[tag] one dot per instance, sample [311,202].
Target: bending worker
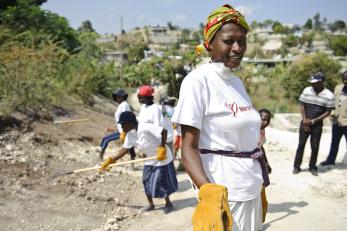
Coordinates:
[159,175]
[120,97]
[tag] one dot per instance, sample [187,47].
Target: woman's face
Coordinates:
[229,45]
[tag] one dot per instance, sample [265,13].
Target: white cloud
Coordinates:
[141,17]
[246,10]
[179,18]
[111,15]
[166,1]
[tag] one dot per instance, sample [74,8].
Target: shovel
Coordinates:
[97,167]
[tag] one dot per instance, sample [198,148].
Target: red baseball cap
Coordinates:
[145,90]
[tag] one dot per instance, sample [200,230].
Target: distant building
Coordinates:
[321,46]
[262,33]
[105,39]
[163,36]
[116,56]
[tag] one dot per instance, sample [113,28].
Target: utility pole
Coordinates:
[121,47]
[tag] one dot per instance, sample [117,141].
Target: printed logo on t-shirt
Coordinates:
[235,108]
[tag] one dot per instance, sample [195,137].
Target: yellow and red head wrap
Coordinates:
[216,20]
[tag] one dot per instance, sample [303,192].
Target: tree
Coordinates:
[307,38]
[185,35]
[7,3]
[196,37]
[170,26]
[254,24]
[295,78]
[339,45]
[317,24]
[291,40]
[278,28]
[45,25]
[86,27]
[337,25]
[136,52]
[268,23]
[309,24]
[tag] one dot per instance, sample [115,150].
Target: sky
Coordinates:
[105,15]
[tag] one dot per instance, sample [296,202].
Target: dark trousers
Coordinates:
[337,132]
[115,136]
[315,133]
[105,140]
[132,153]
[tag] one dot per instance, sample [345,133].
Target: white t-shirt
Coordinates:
[213,100]
[122,107]
[177,130]
[167,124]
[151,114]
[147,138]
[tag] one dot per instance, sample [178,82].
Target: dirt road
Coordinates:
[296,202]
[30,154]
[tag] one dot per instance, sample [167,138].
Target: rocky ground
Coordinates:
[35,196]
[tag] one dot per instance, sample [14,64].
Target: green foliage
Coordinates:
[86,27]
[28,77]
[337,25]
[339,45]
[264,87]
[185,35]
[136,52]
[278,28]
[291,40]
[307,38]
[196,37]
[296,76]
[136,75]
[317,24]
[308,24]
[84,74]
[8,3]
[45,25]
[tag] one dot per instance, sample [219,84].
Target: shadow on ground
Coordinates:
[184,185]
[285,207]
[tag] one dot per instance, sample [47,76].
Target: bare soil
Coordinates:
[31,153]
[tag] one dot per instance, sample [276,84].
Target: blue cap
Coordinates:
[127,117]
[317,77]
[120,92]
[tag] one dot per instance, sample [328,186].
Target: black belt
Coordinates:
[256,154]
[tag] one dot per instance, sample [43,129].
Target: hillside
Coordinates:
[34,196]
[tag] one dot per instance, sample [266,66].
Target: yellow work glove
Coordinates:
[161,153]
[212,211]
[105,166]
[122,137]
[264,204]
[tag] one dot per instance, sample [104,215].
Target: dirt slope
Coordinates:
[31,200]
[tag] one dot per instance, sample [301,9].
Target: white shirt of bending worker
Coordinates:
[214,101]
[151,114]
[147,138]
[167,124]
[122,107]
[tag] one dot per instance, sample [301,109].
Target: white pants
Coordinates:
[247,215]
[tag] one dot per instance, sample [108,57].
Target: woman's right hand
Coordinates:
[213,209]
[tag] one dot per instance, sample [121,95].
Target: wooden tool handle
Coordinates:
[116,164]
[70,121]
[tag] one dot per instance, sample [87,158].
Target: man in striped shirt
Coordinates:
[316,104]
